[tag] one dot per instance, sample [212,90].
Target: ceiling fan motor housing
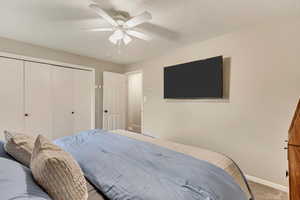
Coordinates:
[122,25]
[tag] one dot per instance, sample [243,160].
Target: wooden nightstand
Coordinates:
[294,156]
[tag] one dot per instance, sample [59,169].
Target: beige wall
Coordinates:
[264,88]
[20,48]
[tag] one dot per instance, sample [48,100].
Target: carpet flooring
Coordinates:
[262,192]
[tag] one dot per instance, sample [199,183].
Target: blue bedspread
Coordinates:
[128,169]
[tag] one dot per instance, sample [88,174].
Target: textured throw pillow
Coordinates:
[19,146]
[57,172]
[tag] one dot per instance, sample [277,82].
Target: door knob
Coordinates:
[106,111]
[26,114]
[73,112]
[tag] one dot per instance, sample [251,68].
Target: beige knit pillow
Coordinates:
[57,172]
[19,146]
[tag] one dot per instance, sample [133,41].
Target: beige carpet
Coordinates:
[262,192]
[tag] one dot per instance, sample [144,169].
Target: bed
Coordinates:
[216,159]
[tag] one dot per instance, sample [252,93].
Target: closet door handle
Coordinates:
[26,115]
[73,112]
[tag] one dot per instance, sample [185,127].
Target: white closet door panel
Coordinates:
[83,86]
[63,120]
[38,99]
[11,95]
[114,100]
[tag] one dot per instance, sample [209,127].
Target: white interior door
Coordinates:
[114,100]
[63,100]
[83,103]
[11,95]
[38,99]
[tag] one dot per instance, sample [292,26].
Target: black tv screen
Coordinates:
[194,80]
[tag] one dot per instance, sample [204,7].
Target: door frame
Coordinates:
[66,65]
[139,71]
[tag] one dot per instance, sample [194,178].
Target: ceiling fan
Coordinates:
[122,27]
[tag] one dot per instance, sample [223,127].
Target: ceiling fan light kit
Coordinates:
[123,29]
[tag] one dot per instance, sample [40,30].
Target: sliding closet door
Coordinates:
[82,100]
[11,95]
[38,99]
[63,109]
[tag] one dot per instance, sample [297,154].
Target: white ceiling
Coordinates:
[60,24]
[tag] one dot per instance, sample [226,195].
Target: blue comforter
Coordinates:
[127,169]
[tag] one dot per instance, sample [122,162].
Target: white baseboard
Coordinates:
[267,183]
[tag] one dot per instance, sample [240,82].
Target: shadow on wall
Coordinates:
[226,78]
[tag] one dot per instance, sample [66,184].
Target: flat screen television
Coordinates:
[194,80]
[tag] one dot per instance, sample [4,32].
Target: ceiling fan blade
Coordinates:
[138,35]
[103,14]
[101,29]
[126,39]
[140,19]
